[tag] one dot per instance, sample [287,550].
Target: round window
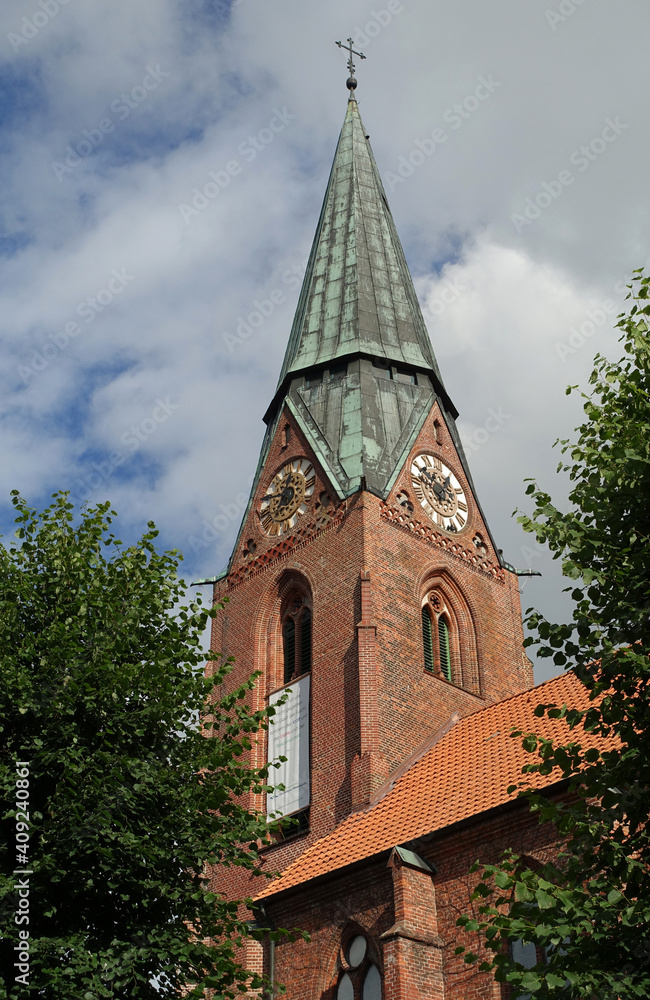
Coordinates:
[357,951]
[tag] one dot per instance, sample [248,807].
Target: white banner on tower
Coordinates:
[289,737]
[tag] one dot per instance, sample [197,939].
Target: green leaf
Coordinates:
[553,980]
[601,742]
[530,982]
[127,796]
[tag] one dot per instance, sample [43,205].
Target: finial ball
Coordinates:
[351,83]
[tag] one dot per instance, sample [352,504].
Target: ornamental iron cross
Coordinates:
[348,48]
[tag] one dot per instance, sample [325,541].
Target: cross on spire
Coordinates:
[351,82]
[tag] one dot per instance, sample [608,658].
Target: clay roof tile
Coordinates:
[466,772]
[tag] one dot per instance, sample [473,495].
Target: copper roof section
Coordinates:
[357,295]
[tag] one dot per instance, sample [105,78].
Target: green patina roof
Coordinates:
[357,295]
[359,374]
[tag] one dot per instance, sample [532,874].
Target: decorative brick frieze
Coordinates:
[300,538]
[401,518]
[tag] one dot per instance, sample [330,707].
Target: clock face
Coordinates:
[439,492]
[287,497]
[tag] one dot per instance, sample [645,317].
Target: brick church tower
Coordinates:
[364,577]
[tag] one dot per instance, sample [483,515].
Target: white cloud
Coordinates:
[163,334]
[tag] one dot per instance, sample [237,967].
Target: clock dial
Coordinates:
[287,497]
[439,492]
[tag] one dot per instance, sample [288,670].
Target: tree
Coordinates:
[114,799]
[588,913]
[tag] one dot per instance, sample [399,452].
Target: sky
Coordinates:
[163,166]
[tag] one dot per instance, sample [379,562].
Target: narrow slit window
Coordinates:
[445,652]
[427,638]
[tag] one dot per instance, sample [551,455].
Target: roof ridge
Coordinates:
[412,759]
[448,783]
[419,754]
[445,731]
[520,694]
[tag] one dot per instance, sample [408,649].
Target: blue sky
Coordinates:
[121,376]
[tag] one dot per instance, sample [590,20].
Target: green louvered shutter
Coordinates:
[427,639]
[445,654]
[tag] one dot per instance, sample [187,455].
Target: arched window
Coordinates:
[437,637]
[450,635]
[360,978]
[296,640]
[372,984]
[346,989]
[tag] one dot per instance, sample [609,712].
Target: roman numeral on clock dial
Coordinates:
[440,493]
[287,497]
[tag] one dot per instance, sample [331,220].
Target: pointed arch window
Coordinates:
[289,687]
[437,638]
[296,640]
[372,984]
[360,978]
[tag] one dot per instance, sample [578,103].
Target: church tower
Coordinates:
[364,577]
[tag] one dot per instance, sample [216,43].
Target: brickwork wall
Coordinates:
[454,854]
[323,557]
[366,566]
[332,913]
[408,917]
[408,557]
[412,946]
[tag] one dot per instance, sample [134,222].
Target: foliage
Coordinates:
[128,800]
[589,912]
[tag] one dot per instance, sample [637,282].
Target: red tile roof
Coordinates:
[466,772]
